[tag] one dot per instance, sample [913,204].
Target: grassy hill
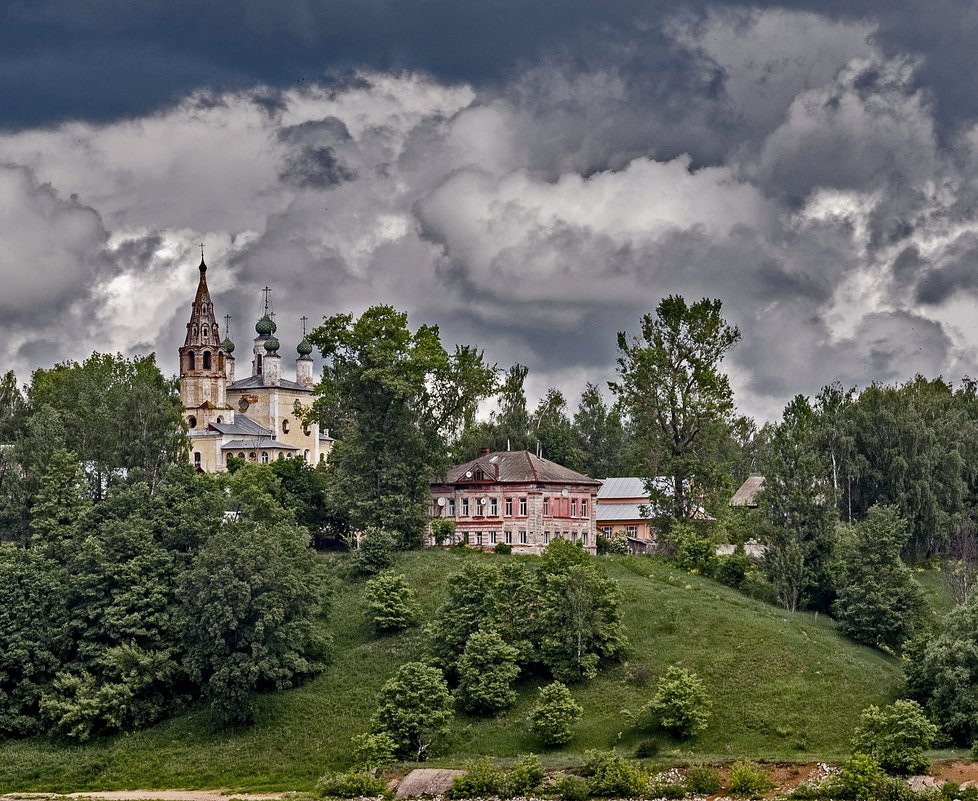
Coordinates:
[784,687]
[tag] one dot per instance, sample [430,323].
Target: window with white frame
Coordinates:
[492,537]
[522,537]
[451,507]
[546,537]
[585,538]
[584,507]
[631,531]
[522,507]
[546,506]
[509,537]
[478,538]
[509,507]
[465,507]
[493,507]
[573,507]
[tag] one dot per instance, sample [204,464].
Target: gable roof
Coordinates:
[746,494]
[243,427]
[515,467]
[257,382]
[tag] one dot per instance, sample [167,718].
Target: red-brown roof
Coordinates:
[515,467]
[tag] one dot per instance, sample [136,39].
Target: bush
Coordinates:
[757,585]
[375,552]
[486,673]
[554,714]
[503,548]
[525,777]
[481,779]
[611,545]
[896,736]
[703,780]
[352,785]
[371,751]
[731,570]
[681,703]
[671,791]
[610,775]
[414,709]
[693,550]
[391,603]
[748,780]
[570,787]
[443,530]
[858,780]
[646,749]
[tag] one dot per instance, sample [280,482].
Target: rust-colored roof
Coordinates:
[515,467]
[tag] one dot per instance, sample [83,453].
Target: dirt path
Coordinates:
[148,795]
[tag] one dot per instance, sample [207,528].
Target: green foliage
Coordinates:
[693,550]
[251,599]
[376,551]
[391,603]
[373,751]
[678,400]
[414,709]
[748,780]
[667,790]
[703,780]
[60,505]
[443,530]
[879,602]
[610,775]
[470,603]
[553,716]
[569,787]
[525,777]
[646,748]
[303,488]
[486,671]
[352,784]
[611,545]
[481,779]
[681,703]
[503,548]
[896,736]
[859,779]
[732,570]
[942,673]
[551,428]
[396,398]
[598,434]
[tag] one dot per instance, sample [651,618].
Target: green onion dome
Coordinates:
[265,326]
[228,345]
[272,345]
[304,348]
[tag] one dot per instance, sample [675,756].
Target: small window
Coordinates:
[546,506]
[479,475]
[207,360]
[493,507]
[190,360]
[478,538]
[451,507]
[285,426]
[509,537]
[546,537]
[203,332]
[252,456]
[492,537]
[264,457]
[192,422]
[584,507]
[241,455]
[258,362]
[220,419]
[585,538]
[509,507]
[631,531]
[465,507]
[606,530]
[305,456]
[522,507]
[573,507]
[197,458]
[522,537]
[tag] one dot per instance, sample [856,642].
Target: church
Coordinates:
[257,418]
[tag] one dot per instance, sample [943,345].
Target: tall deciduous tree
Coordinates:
[599,434]
[678,399]
[551,430]
[396,398]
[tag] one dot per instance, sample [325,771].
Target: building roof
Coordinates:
[746,495]
[262,443]
[515,467]
[258,382]
[618,511]
[622,487]
[242,426]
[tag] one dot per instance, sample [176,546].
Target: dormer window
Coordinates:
[479,475]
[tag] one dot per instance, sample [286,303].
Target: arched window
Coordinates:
[264,457]
[207,360]
[285,426]
[241,455]
[252,456]
[258,363]
[220,419]
[192,422]
[197,459]
[190,360]
[203,332]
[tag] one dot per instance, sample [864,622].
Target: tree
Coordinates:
[396,399]
[391,603]
[252,601]
[679,401]
[942,673]
[13,408]
[552,431]
[681,703]
[414,709]
[896,736]
[599,434]
[469,603]
[959,564]
[554,715]
[801,504]
[879,602]
[486,673]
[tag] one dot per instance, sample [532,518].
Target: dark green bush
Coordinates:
[681,703]
[554,715]
[896,736]
[503,548]
[481,779]
[610,775]
[569,787]
[647,748]
[731,570]
[703,780]
[671,791]
[352,785]
[525,777]
[376,550]
[748,780]
[859,780]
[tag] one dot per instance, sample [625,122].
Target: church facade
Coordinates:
[259,417]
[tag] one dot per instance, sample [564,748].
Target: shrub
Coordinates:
[671,791]
[443,530]
[757,585]
[525,777]
[553,715]
[372,751]
[570,787]
[503,548]
[896,736]
[647,748]
[703,780]
[391,603]
[693,550]
[352,785]
[481,779]
[680,703]
[486,673]
[414,709]
[859,779]
[375,552]
[748,780]
[732,570]
[610,775]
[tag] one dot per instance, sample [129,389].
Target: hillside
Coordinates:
[784,686]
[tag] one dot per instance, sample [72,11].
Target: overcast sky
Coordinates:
[532,175]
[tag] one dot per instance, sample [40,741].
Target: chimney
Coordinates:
[484,452]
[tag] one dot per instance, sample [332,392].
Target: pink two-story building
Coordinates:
[517,498]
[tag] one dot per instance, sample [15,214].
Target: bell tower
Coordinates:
[203,362]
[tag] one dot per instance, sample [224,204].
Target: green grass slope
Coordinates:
[784,686]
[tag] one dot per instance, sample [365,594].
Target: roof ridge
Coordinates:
[533,469]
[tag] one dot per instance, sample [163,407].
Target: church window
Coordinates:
[192,422]
[197,459]
[252,457]
[220,419]
[190,360]
[285,426]
[258,362]
[207,360]
[241,455]
[264,457]
[203,332]
[305,455]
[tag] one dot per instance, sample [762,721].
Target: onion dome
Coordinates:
[272,345]
[304,348]
[228,345]
[265,326]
